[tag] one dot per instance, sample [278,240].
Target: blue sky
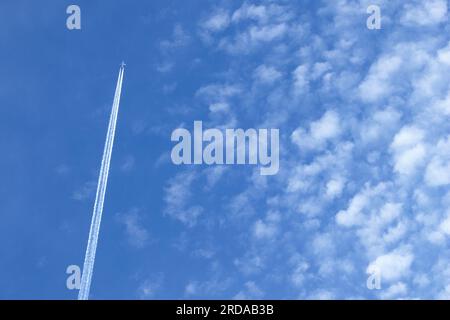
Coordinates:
[364,149]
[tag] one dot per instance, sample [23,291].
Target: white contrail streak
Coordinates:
[89,259]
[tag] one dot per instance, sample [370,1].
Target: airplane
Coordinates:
[122,65]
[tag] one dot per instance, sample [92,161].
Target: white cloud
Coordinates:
[180,38]
[442,106]
[395,291]
[86,191]
[380,126]
[266,229]
[320,132]
[426,13]
[319,69]
[218,92]
[261,13]
[354,213]
[322,295]
[213,175]
[445,293]
[437,173]
[389,212]
[219,107]
[407,161]
[253,37]
[217,22]
[267,33]
[407,137]
[438,170]
[357,212]
[395,233]
[251,291]
[150,287]
[408,149]
[370,173]
[445,226]
[267,74]
[137,235]
[211,287]
[334,188]
[394,265]
[326,128]
[177,195]
[444,55]
[301,81]
[250,12]
[323,244]
[262,230]
[377,84]
[165,67]
[299,273]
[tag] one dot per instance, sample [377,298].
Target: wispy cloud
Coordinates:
[137,235]
[85,192]
[362,181]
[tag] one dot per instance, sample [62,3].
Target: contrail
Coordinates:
[89,259]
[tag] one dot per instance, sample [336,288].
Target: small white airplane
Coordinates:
[122,65]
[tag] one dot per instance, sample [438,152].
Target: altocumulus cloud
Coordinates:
[363,179]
